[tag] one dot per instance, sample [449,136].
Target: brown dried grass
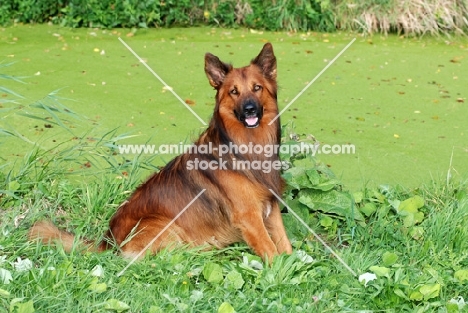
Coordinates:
[408,17]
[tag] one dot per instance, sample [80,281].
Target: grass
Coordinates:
[407,258]
[414,240]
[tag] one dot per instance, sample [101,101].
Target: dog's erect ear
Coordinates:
[266,60]
[216,70]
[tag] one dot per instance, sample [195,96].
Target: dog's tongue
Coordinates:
[251,121]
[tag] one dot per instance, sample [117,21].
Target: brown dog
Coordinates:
[237,203]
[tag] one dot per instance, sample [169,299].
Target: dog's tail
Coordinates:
[48,233]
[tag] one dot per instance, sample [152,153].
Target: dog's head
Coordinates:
[245,95]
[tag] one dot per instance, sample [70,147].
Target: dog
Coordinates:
[236,203]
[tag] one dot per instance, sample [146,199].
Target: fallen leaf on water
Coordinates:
[189,102]
[253,31]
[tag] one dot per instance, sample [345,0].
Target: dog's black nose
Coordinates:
[250,109]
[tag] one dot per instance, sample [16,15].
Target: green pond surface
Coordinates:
[402,102]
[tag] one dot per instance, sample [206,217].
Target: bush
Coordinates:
[410,17]
[296,15]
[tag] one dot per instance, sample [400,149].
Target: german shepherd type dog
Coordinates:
[236,205]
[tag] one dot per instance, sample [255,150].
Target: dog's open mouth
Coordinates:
[251,122]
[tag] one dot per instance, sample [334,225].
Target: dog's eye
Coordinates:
[234,92]
[257,87]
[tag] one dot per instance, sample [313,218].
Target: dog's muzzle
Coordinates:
[251,114]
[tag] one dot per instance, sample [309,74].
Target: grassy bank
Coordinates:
[413,241]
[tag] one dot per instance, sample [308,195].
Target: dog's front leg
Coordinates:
[253,230]
[275,227]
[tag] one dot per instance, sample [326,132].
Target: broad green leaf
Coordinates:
[307,201]
[314,176]
[418,217]
[234,279]
[417,232]
[412,219]
[226,307]
[380,270]
[327,185]
[389,258]
[368,209]
[213,273]
[358,196]
[297,178]
[14,185]
[430,291]
[322,181]
[380,197]
[326,221]
[394,203]
[410,205]
[461,275]
[416,296]
[17,306]
[116,305]
[452,308]
[333,202]
[98,288]
[409,220]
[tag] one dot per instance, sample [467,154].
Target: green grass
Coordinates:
[408,257]
[414,239]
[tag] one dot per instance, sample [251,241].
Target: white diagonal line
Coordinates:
[313,80]
[315,235]
[162,81]
[160,233]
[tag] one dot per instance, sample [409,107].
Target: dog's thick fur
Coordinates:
[237,204]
